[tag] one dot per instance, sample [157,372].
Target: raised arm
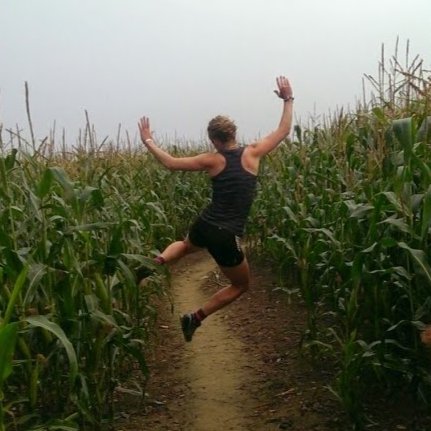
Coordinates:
[201,162]
[269,142]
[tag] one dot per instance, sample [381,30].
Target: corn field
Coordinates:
[73,320]
[346,209]
[343,211]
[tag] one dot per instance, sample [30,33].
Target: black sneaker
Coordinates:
[143,272]
[189,324]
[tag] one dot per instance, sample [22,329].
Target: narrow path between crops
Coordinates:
[214,361]
[242,371]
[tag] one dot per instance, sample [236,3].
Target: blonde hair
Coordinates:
[222,129]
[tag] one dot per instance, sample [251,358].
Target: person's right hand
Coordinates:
[284,91]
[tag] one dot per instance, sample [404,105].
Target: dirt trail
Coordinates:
[230,376]
[244,370]
[215,360]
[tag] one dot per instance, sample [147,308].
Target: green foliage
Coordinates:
[73,321]
[345,211]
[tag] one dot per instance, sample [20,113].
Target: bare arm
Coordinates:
[271,141]
[201,162]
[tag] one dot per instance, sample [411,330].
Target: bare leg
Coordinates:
[173,252]
[239,276]
[177,250]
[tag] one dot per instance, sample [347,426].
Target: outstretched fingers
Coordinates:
[282,82]
[279,82]
[144,128]
[144,123]
[284,89]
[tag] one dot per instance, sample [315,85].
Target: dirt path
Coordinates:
[243,371]
[232,375]
[214,360]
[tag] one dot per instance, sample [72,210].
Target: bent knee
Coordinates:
[189,247]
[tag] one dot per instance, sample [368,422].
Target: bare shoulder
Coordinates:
[215,163]
[251,158]
[252,150]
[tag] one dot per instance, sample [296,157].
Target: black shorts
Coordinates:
[224,246]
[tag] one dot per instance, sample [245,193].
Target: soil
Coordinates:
[244,369]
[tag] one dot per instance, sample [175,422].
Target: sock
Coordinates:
[160,260]
[199,315]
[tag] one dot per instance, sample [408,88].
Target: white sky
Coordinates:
[181,62]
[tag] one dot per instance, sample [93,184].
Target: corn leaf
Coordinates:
[8,335]
[419,258]
[42,322]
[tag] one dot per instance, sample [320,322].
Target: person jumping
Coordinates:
[233,171]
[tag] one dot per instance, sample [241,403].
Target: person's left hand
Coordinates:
[144,129]
[284,91]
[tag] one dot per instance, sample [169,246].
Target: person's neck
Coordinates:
[230,145]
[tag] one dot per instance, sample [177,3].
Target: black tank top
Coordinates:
[233,191]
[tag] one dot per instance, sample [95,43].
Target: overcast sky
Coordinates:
[181,62]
